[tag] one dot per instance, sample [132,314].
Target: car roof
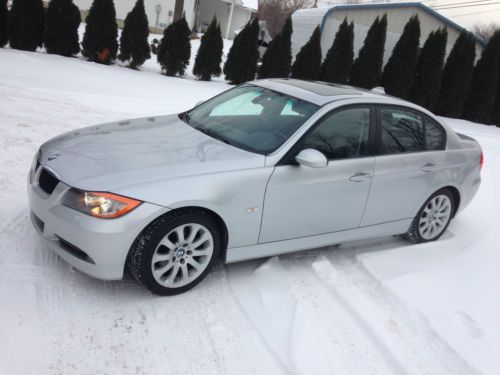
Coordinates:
[321,93]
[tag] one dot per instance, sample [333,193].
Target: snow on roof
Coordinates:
[252,4]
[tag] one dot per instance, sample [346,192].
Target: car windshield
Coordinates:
[250,117]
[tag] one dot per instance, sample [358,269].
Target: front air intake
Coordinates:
[47,181]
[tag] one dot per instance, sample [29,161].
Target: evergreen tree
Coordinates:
[4,12]
[399,71]
[101,31]
[307,63]
[209,57]
[457,76]
[278,56]
[175,48]
[427,81]
[134,45]
[25,24]
[481,100]
[339,58]
[367,68]
[61,28]
[496,110]
[241,64]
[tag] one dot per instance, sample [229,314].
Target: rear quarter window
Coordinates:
[434,136]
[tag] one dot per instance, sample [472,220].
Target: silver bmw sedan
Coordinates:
[266,168]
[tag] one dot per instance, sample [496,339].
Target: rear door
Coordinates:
[409,157]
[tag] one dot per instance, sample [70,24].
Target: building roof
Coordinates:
[324,12]
[252,4]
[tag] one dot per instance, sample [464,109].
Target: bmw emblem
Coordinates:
[53,157]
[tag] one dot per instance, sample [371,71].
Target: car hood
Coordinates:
[125,153]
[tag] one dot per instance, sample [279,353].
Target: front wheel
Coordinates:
[433,218]
[175,252]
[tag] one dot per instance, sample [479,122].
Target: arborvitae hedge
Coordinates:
[457,76]
[277,59]
[100,39]
[61,28]
[427,81]
[175,48]
[4,36]
[481,100]
[209,57]
[367,68]
[307,63]
[399,71]
[134,45]
[339,58]
[241,64]
[25,24]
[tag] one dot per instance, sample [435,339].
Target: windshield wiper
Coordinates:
[212,134]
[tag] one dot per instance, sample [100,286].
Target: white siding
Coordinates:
[305,21]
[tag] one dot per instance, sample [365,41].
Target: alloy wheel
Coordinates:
[182,255]
[435,217]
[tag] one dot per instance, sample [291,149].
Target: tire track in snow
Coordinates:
[346,337]
[407,332]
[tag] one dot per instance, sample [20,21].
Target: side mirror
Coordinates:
[311,158]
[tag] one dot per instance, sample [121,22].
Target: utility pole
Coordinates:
[178,10]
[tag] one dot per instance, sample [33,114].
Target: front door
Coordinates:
[302,201]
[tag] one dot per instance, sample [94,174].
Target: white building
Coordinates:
[329,19]
[231,14]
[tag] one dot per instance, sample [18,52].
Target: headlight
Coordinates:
[102,205]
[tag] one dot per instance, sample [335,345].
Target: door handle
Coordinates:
[429,167]
[360,177]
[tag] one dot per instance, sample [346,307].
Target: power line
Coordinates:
[467,6]
[461,3]
[471,14]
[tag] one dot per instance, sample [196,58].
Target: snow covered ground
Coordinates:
[372,307]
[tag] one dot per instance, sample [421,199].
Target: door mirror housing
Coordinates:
[311,158]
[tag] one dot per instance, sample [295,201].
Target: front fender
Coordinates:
[236,196]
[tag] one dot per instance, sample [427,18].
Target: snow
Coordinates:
[373,307]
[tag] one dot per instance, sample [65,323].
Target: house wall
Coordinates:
[241,16]
[304,24]
[210,8]
[124,6]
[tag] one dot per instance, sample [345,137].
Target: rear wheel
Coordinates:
[175,252]
[433,218]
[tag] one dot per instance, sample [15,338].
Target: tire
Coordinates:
[433,213]
[186,242]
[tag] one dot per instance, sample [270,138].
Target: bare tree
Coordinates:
[485,31]
[275,12]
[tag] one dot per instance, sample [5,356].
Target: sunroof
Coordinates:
[320,88]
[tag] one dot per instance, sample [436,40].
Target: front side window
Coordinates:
[402,131]
[250,117]
[341,135]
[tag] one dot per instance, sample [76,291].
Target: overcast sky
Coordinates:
[477,11]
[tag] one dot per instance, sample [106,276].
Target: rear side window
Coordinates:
[434,136]
[402,131]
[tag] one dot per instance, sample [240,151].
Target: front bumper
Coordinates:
[97,247]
